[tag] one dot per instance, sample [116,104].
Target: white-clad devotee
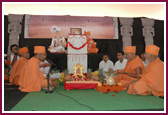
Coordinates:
[15,54]
[58,42]
[144,60]
[13,57]
[45,67]
[105,65]
[120,64]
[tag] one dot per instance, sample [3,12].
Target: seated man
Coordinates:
[19,64]
[152,80]
[105,65]
[58,43]
[13,57]
[91,46]
[120,64]
[15,54]
[31,78]
[45,67]
[132,70]
[144,60]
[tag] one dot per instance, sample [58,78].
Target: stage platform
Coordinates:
[61,60]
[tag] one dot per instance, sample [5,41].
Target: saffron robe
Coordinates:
[130,67]
[151,82]
[91,46]
[31,78]
[17,67]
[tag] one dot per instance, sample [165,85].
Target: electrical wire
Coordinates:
[74,100]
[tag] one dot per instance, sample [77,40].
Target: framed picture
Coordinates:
[75,30]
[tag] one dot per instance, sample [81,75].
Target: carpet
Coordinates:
[86,100]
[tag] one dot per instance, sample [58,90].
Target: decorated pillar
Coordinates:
[148,30]
[14,29]
[77,52]
[126,31]
[27,24]
[115,25]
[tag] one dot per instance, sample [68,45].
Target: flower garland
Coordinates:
[88,47]
[76,47]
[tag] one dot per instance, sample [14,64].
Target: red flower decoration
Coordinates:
[85,74]
[76,47]
[113,95]
[71,74]
[108,90]
[115,91]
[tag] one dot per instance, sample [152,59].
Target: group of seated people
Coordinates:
[139,76]
[26,72]
[132,74]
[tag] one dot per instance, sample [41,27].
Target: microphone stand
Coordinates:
[51,62]
[48,76]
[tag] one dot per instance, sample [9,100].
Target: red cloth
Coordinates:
[80,85]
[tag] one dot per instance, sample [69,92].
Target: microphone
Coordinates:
[51,62]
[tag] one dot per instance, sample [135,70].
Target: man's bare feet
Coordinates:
[50,88]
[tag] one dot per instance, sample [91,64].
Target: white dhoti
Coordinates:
[57,49]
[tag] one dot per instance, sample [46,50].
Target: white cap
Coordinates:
[54,29]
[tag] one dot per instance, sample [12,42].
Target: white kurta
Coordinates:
[119,65]
[57,44]
[105,66]
[12,56]
[44,70]
[145,63]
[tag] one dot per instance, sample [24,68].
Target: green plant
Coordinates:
[54,71]
[109,73]
[66,71]
[100,72]
[89,70]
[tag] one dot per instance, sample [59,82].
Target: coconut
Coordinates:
[89,75]
[67,77]
[95,78]
[110,70]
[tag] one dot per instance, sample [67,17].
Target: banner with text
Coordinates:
[39,26]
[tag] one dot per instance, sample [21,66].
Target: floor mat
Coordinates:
[86,100]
